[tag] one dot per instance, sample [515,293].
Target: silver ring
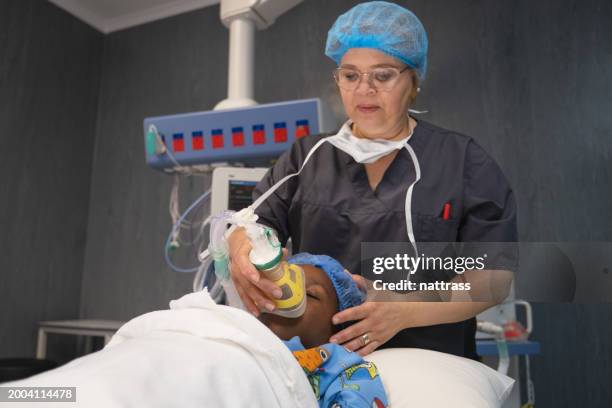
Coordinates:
[365,338]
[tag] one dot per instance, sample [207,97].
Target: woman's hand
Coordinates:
[376,323]
[379,320]
[254,289]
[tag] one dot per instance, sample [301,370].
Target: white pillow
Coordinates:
[425,378]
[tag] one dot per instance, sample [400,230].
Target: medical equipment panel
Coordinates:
[252,135]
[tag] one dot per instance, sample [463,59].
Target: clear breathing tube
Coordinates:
[500,340]
[216,256]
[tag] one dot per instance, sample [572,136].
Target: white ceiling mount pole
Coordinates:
[241,69]
[242,17]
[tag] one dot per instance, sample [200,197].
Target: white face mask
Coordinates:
[364,150]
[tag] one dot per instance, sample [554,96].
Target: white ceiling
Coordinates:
[112,15]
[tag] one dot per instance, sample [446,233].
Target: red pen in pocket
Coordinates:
[446,213]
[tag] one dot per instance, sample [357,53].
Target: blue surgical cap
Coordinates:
[383,26]
[348,293]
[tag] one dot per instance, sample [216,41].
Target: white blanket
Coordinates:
[197,354]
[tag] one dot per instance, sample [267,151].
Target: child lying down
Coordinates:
[339,377]
[200,354]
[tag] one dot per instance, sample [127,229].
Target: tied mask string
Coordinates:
[418,112]
[272,189]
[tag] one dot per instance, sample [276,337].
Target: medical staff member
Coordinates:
[384,177]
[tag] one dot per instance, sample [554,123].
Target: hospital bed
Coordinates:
[198,353]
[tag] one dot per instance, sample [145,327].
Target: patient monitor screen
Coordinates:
[239,195]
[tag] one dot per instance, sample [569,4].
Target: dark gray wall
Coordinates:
[49,77]
[171,66]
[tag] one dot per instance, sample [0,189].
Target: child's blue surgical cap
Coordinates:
[383,26]
[348,293]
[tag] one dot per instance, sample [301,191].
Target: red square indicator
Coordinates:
[238,136]
[259,137]
[301,128]
[197,141]
[302,131]
[178,144]
[280,135]
[259,134]
[217,141]
[198,144]
[238,139]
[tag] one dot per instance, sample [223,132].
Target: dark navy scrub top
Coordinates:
[330,209]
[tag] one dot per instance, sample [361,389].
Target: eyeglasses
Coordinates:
[381,79]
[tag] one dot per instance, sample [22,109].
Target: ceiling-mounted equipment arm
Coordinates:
[242,17]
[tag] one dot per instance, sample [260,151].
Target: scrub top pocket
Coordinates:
[436,229]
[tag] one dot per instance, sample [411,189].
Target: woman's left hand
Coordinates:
[375,323]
